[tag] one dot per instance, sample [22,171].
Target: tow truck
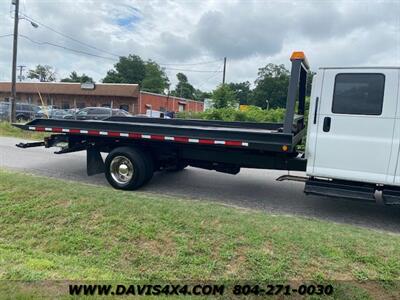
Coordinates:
[352,138]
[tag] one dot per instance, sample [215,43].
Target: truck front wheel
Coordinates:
[126,168]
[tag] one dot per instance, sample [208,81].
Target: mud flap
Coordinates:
[94,162]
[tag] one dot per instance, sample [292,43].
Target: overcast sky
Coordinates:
[184,33]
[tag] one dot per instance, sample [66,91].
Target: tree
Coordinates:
[201,95]
[271,85]
[74,77]
[242,91]
[129,69]
[44,73]
[155,80]
[223,96]
[183,88]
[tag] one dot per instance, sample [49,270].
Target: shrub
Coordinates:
[251,114]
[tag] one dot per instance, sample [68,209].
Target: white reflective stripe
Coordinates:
[219,142]
[83,131]
[146,136]
[245,144]
[103,132]
[65,130]
[169,138]
[32,128]
[193,140]
[48,129]
[124,134]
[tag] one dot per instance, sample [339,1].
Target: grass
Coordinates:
[6,129]
[52,229]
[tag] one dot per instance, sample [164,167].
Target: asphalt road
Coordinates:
[255,189]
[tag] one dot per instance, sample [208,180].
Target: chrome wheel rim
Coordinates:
[121,169]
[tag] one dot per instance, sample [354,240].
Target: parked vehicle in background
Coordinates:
[48,107]
[61,114]
[23,111]
[157,114]
[26,111]
[73,111]
[98,113]
[54,114]
[121,113]
[4,111]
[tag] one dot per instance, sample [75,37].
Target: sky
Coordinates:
[195,36]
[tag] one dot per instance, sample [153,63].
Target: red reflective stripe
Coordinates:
[205,141]
[93,132]
[135,135]
[113,133]
[157,137]
[233,143]
[153,136]
[181,139]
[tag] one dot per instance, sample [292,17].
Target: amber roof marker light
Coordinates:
[299,55]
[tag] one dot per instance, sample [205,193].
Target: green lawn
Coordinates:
[53,229]
[6,129]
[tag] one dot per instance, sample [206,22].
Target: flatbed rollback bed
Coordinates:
[139,146]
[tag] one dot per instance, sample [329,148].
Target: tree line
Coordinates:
[269,91]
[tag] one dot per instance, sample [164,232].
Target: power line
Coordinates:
[191,64]
[41,43]
[111,53]
[66,48]
[191,70]
[208,79]
[70,37]
[104,51]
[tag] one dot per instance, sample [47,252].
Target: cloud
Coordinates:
[249,33]
[225,35]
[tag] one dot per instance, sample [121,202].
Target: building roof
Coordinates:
[171,97]
[68,88]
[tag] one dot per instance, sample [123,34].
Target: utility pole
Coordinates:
[14,62]
[21,68]
[223,73]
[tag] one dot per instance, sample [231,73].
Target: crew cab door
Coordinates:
[354,124]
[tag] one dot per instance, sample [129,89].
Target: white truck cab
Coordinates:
[353,127]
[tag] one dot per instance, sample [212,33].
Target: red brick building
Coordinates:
[167,103]
[124,96]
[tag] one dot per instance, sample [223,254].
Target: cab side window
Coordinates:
[358,93]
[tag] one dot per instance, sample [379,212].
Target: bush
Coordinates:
[251,114]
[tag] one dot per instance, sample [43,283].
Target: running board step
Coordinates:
[341,189]
[292,178]
[391,195]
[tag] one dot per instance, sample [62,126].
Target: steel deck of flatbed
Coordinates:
[258,136]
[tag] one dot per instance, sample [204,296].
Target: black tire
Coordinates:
[21,119]
[126,168]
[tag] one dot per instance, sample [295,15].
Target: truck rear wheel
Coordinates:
[127,168]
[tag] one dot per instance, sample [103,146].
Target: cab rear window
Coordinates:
[358,93]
